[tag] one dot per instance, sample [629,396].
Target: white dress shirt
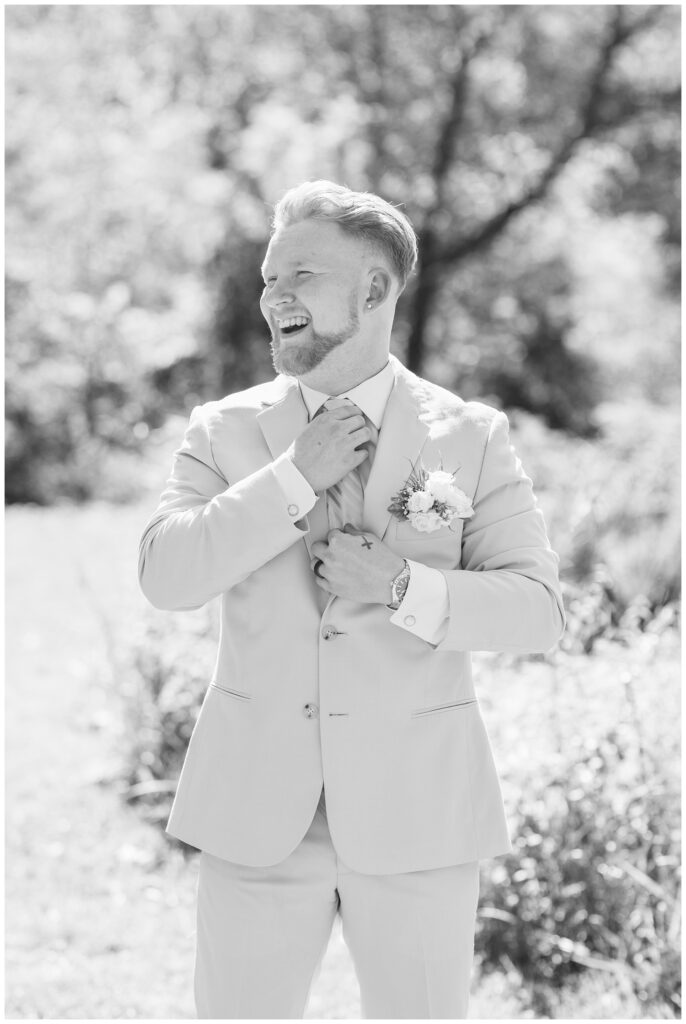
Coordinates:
[425,608]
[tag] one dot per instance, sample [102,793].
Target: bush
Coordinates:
[612,506]
[171,668]
[595,611]
[594,881]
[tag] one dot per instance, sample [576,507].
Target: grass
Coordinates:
[100,909]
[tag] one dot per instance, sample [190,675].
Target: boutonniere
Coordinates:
[429,500]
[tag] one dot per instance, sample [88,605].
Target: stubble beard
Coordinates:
[296,360]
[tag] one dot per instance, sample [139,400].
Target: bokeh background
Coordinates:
[536,150]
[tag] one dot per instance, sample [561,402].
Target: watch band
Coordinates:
[399,586]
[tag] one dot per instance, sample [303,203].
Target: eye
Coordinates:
[301,272]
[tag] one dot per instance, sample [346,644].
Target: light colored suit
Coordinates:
[300,696]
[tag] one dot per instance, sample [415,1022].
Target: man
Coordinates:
[340,762]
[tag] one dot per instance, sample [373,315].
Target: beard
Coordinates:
[295,360]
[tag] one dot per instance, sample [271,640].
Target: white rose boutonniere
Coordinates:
[420,501]
[429,500]
[426,522]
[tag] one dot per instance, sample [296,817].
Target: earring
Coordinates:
[369,305]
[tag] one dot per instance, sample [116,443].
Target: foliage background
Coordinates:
[536,149]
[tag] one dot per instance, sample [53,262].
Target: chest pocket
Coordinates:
[441,549]
[406,533]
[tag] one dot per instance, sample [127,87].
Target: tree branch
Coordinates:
[449,134]
[588,121]
[447,140]
[446,145]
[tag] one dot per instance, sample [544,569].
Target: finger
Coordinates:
[323,583]
[319,549]
[356,423]
[361,433]
[353,530]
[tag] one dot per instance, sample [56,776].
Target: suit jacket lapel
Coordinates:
[402,436]
[284,416]
[280,422]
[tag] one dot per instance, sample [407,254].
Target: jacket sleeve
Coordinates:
[206,534]
[506,595]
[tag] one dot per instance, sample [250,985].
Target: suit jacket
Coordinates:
[300,695]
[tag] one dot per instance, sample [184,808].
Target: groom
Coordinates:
[340,763]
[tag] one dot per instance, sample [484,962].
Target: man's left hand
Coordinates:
[356,565]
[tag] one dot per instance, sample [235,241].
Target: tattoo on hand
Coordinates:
[366,543]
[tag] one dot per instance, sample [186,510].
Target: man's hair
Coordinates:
[362,214]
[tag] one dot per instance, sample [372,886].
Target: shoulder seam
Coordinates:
[204,411]
[494,419]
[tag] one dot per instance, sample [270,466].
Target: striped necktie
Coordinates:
[345,500]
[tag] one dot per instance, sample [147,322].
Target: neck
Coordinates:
[337,382]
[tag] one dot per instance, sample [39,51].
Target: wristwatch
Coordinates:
[399,586]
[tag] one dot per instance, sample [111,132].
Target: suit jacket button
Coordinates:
[311,711]
[293,510]
[329,633]
[409,620]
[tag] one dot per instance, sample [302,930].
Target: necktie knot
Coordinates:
[338,403]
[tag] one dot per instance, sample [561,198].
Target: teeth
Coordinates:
[293,321]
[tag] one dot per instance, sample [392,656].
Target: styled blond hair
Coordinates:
[362,214]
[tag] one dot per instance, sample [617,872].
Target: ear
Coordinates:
[379,288]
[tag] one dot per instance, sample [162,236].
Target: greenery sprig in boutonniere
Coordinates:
[429,500]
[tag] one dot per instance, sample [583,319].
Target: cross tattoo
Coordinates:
[366,543]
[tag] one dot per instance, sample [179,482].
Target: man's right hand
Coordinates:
[327,448]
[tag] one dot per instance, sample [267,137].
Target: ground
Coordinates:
[100,909]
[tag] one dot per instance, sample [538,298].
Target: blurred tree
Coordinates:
[469,117]
[484,109]
[535,149]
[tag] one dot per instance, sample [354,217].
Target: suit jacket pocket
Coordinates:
[438,708]
[236,694]
[405,531]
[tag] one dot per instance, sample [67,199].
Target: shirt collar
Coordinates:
[371,396]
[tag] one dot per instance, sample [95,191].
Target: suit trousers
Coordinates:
[262,933]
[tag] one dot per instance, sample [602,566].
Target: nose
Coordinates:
[278,294]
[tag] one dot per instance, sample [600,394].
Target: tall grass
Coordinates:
[593,883]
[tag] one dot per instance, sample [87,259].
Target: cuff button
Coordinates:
[293,510]
[409,620]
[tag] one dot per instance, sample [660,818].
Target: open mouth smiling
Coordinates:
[292,325]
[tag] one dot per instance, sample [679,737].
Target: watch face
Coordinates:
[400,585]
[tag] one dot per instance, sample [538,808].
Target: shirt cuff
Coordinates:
[298,494]
[425,608]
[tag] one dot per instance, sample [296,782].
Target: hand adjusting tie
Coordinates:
[315,568]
